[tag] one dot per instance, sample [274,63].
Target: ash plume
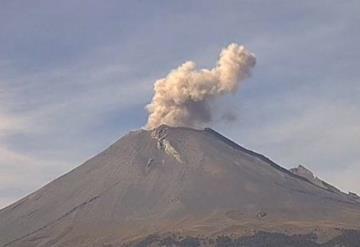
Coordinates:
[182,97]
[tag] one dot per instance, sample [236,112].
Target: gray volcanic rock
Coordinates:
[306,173]
[180,180]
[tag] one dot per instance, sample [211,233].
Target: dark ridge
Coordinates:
[348,238]
[259,156]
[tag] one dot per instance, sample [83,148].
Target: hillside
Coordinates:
[186,182]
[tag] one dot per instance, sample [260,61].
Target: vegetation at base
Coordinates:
[349,238]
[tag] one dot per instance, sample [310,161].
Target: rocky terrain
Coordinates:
[182,187]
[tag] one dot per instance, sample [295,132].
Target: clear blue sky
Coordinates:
[76,75]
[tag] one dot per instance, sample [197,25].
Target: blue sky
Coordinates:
[76,75]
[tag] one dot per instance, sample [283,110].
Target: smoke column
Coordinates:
[182,97]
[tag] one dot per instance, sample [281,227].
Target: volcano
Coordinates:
[176,186]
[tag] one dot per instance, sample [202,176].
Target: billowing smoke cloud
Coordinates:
[182,97]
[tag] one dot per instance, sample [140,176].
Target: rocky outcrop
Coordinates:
[306,173]
[164,144]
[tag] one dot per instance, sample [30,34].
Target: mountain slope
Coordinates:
[172,180]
